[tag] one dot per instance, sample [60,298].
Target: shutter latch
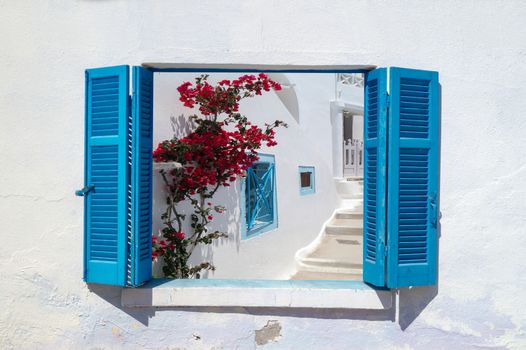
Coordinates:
[84,191]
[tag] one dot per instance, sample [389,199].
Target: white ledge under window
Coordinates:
[257,293]
[166,165]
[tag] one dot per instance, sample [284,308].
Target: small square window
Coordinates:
[307,185]
[305,179]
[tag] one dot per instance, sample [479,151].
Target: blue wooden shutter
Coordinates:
[413,178]
[141,183]
[374,210]
[260,196]
[106,175]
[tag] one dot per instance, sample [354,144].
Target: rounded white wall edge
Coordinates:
[339,105]
[355,295]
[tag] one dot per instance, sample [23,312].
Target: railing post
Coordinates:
[359,171]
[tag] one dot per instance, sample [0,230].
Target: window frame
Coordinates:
[253,68]
[304,191]
[257,231]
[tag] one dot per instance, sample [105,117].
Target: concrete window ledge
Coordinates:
[257,293]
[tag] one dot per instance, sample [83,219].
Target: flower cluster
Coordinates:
[225,96]
[211,156]
[169,243]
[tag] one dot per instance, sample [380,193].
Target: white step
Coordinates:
[354,204]
[341,248]
[335,254]
[353,178]
[352,189]
[338,253]
[329,265]
[313,261]
[349,214]
[344,227]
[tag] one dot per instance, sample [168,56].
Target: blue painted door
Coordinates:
[106,175]
[375,177]
[413,184]
[141,171]
[260,196]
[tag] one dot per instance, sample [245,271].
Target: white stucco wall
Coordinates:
[479,48]
[307,141]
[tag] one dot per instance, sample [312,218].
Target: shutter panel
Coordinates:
[106,169]
[141,183]
[260,196]
[413,178]
[261,204]
[374,210]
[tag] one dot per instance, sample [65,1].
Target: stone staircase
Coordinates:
[336,254]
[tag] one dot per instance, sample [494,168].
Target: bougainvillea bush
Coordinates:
[222,146]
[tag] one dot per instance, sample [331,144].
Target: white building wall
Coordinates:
[479,50]
[306,142]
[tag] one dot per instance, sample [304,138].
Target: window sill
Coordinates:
[166,166]
[257,293]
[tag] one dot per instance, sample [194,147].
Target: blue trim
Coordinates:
[235,283]
[248,227]
[312,188]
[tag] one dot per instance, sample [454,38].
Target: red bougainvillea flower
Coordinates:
[180,235]
[221,148]
[225,97]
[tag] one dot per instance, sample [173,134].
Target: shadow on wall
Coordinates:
[287,95]
[412,301]
[181,125]
[228,222]
[112,295]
